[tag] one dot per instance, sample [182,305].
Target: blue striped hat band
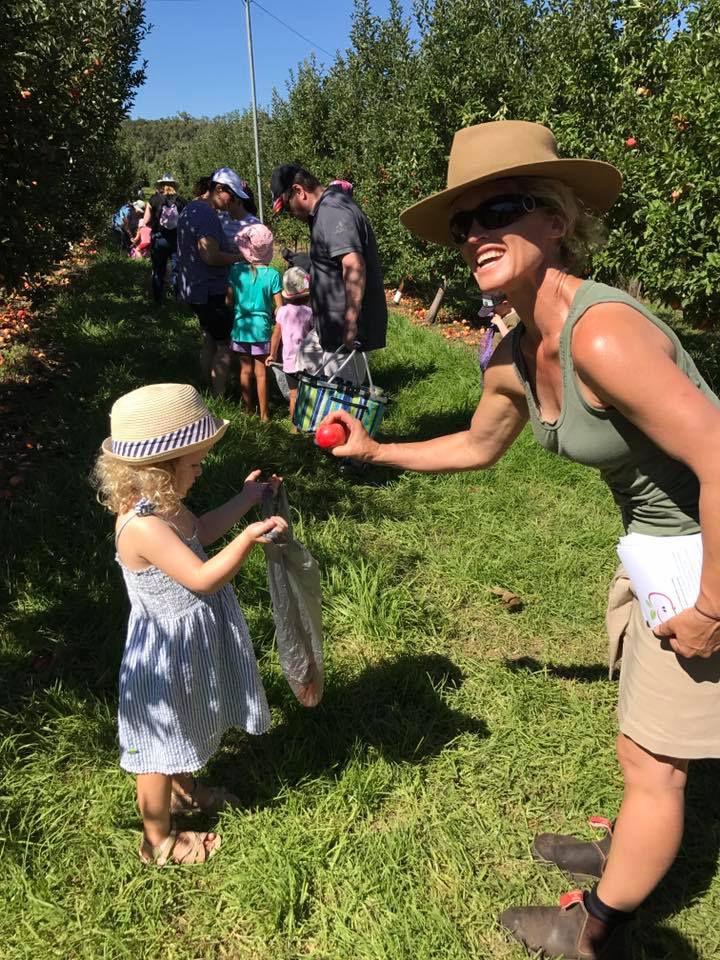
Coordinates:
[202,429]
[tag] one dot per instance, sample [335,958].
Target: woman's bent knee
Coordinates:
[641,767]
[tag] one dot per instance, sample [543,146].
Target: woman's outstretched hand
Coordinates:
[359,444]
[254,489]
[691,634]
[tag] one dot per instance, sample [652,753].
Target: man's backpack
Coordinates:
[169,213]
[119,216]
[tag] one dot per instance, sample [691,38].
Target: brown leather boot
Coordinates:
[567,931]
[582,859]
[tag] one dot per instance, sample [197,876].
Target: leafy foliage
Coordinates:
[67,78]
[633,82]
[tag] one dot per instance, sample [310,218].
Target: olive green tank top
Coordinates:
[656,494]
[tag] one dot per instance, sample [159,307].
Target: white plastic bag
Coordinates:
[296,594]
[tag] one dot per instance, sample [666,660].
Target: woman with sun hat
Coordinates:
[605,383]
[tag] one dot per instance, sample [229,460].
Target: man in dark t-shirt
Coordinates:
[346,289]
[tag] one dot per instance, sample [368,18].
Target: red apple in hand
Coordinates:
[331,435]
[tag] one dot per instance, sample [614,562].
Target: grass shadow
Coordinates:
[435,425]
[581,672]
[396,708]
[662,943]
[695,868]
[396,377]
[693,872]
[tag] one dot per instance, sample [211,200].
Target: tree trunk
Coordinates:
[431,315]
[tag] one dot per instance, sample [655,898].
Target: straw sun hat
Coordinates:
[295,283]
[505,149]
[160,422]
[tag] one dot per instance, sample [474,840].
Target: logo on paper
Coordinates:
[661,607]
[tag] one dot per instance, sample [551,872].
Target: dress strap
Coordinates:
[176,529]
[146,508]
[125,522]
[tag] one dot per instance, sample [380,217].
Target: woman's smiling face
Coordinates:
[501,256]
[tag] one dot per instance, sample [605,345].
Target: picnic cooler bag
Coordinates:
[319,395]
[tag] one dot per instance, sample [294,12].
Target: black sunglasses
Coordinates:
[499,211]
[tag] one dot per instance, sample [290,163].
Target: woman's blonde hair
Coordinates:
[121,485]
[584,233]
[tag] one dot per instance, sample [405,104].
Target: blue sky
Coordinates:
[197,51]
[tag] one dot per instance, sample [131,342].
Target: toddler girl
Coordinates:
[142,241]
[188,671]
[294,321]
[254,293]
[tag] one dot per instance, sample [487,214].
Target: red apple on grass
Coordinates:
[331,435]
[631,143]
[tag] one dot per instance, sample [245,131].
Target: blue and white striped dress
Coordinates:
[188,673]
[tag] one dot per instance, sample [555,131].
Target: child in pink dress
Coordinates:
[141,242]
[293,322]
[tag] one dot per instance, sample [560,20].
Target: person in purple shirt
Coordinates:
[203,268]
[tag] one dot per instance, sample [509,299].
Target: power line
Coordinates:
[291,29]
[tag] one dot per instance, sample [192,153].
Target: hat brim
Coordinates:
[596,183]
[165,455]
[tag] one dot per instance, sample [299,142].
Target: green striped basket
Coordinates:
[318,396]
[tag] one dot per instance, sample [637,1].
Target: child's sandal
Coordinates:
[167,851]
[218,798]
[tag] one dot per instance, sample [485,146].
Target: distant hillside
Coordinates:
[159,146]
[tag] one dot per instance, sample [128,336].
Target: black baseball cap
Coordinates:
[281,179]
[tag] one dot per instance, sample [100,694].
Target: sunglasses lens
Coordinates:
[460,225]
[491,214]
[501,211]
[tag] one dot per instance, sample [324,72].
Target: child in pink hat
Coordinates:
[254,293]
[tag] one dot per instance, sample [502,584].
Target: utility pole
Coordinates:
[251,62]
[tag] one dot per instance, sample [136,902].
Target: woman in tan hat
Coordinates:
[188,671]
[605,383]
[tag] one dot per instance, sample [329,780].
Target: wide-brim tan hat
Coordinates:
[505,149]
[159,422]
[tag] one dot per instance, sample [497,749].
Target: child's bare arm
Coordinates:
[216,523]
[277,300]
[274,343]
[151,540]
[501,325]
[229,297]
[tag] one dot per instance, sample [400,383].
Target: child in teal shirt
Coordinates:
[254,293]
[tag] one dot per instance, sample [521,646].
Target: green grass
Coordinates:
[393,822]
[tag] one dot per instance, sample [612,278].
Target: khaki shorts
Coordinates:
[667,704]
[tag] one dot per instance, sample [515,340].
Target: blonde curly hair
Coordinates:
[120,484]
[584,233]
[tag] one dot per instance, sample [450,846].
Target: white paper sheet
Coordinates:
[665,572]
